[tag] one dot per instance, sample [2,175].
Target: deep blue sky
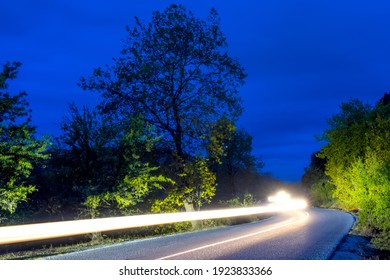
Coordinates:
[303,58]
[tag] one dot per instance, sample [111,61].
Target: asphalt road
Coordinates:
[310,234]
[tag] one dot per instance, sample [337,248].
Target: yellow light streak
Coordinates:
[23,233]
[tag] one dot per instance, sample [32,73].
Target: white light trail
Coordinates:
[23,233]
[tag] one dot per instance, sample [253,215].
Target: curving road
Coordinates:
[310,234]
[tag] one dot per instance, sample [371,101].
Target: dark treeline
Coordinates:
[162,139]
[352,171]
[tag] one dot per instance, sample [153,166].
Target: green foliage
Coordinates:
[93,203]
[133,190]
[170,99]
[138,179]
[358,162]
[322,192]
[221,134]
[200,189]
[19,150]
[202,183]
[176,72]
[86,155]
[85,160]
[173,228]
[235,159]
[370,191]
[317,184]
[354,133]
[247,200]
[347,140]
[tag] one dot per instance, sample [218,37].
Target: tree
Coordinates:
[19,150]
[231,152]
[317,184]
[347,140]
[238,157]
[83,162]
[358,163]
[369,175]
[177,73]
[105,161]
[370,192]
[88,146]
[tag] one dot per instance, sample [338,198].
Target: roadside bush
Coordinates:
[370,193]
[246,200]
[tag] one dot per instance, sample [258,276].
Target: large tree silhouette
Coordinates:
[176,72]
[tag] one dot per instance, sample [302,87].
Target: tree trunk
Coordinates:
[180,158]
[232,174]
[189,206]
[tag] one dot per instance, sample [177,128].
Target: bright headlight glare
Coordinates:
[280,197]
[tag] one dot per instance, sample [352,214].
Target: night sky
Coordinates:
[303,58]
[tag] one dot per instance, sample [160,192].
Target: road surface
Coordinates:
[310,234]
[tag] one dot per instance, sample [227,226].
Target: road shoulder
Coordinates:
[357,247]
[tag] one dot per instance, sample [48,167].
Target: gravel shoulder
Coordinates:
[357,247]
